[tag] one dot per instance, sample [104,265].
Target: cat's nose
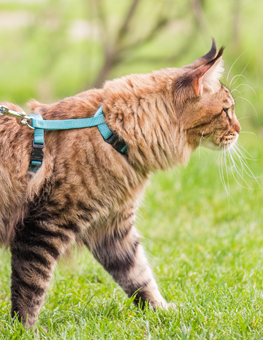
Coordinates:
[237,127]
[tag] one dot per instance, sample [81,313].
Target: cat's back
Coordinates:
[85,171]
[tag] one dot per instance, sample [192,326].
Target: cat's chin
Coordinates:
[208,143]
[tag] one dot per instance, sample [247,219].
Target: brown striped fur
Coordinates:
[86,191]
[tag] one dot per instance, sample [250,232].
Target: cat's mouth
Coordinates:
[228,141]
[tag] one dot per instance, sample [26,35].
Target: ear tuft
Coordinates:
[211,54]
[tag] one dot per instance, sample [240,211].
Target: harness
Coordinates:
[39,125]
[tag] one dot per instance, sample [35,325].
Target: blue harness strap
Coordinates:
[38,145]
[68,123]
[40,125]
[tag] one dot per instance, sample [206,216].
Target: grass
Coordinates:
[207,253]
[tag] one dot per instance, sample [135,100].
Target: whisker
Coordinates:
[252,133]
[221,173]
[237,91]
[242,186]
[234,64]
[243,156]
[222,159]
[237,76]
[249,103]
[238,172]
[228,186]
[246,166]
[240,146]
[239,158]
[234,151]
[241,74]
[250,87]
[243,117]
[220,168]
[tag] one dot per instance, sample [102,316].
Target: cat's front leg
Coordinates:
[117,247]
[35,249]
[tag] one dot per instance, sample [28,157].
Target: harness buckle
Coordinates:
[117,143]
[37,153]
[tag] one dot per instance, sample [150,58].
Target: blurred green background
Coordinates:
[51,49]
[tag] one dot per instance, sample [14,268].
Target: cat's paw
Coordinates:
[166,306]
[43,330]
[171,305]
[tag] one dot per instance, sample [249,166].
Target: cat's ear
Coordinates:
[215,72]
[203,71]
[206,74]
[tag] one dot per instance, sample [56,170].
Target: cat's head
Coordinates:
[206,107]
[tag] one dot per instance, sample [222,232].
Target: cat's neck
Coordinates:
[139,108]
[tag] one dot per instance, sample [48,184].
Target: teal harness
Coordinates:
[40,125]
[36,122]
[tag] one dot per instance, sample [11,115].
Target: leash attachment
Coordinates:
[25,119]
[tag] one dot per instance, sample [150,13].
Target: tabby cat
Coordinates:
[86,191]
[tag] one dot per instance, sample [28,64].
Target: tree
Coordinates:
[123,47]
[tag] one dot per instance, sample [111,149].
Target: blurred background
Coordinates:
[51,49]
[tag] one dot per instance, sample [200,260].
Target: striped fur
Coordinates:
[86,192]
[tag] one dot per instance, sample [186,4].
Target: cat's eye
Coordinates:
[227,116]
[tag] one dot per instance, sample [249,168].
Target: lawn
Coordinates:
[206,248]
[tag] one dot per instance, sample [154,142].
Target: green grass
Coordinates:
[207,253]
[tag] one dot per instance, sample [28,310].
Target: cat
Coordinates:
[86,191]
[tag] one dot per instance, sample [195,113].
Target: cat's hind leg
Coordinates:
[35,249]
